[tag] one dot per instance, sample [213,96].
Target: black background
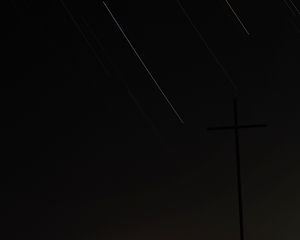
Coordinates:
[91,156]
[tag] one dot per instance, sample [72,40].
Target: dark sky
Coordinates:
[97,153]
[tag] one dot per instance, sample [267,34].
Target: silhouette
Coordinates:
[236,127]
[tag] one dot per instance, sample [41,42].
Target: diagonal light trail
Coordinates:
[131,95]
[107,72]
[235,14]
[85,38]
[291,20]
[142,62]
[289,7]
[295,6]
[207,46]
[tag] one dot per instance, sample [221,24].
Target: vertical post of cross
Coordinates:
[236,128]
[238,168]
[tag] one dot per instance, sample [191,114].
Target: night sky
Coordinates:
[92,150]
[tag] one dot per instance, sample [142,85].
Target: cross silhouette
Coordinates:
[236,127]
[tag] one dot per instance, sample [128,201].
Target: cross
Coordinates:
[236,127]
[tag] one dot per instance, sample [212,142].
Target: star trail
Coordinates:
[295,7]
[105,112]
[208,47]
[289,7]
[144,65]
[237,17]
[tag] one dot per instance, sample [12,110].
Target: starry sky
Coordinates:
[92,150]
